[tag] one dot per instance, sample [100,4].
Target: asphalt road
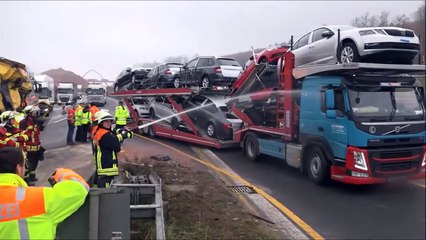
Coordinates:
[338,211]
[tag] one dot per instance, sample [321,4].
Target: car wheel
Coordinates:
[152,113]
[349,53]
[317,166]
[176,82]
[251,146]
[174,123]
[205,82]
[211,130]
[151,131]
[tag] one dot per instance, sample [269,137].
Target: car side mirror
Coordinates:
[184,67]
[327,34]
[251,58]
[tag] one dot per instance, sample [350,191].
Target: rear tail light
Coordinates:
[227,125]
[168,71]
[217,70]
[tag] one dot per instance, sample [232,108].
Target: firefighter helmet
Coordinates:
[103,116]
[7,115]
[31,108]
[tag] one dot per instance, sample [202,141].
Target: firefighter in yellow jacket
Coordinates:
[34,212]
[121,115]
[106,145]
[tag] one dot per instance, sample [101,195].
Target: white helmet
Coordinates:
[7,115]
[31,108]
[103,116]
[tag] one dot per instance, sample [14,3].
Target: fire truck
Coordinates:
[357,123]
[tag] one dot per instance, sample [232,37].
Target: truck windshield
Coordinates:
[93,91]
[64,90]
[44,93]
[386,102]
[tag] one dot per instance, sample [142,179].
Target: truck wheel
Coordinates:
[317,166]
[251,146]
[151,131]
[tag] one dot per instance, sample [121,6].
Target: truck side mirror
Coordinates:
[329,99]
[330,104]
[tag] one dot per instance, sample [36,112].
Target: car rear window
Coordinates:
[174,65]
[228,62]
[140,101]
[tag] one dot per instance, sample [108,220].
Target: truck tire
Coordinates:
[317,166]
[251,146]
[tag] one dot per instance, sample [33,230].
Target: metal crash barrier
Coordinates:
[104,215]
[146,201]
[107,212]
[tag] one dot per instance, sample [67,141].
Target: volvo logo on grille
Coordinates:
[397,129]
[372,129]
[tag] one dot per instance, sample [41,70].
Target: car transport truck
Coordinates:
[357,123]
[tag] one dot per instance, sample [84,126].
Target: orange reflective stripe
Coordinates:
[17,203]
[98,135]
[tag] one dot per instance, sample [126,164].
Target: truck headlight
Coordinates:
[359,160]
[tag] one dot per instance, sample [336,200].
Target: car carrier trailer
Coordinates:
[186,131]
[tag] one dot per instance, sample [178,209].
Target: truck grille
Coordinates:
[64,99]
[395,162]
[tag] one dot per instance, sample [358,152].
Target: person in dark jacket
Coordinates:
[106,145]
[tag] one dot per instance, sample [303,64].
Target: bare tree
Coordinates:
[365,21]
[177,59]
[400,21]
[419,15]
[383,19]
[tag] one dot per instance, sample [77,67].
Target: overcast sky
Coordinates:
[108,36]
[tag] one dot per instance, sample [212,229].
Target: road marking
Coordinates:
[308,229]
[418,184]
[60,120]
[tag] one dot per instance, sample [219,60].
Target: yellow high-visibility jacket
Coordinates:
[121,114]
[34,212]
[77,116]
[86,117]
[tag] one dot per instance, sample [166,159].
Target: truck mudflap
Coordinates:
[340,174]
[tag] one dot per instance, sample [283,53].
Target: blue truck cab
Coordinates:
[362,129]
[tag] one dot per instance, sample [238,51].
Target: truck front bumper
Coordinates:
[339,174]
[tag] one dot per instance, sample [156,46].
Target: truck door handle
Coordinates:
[321,129]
